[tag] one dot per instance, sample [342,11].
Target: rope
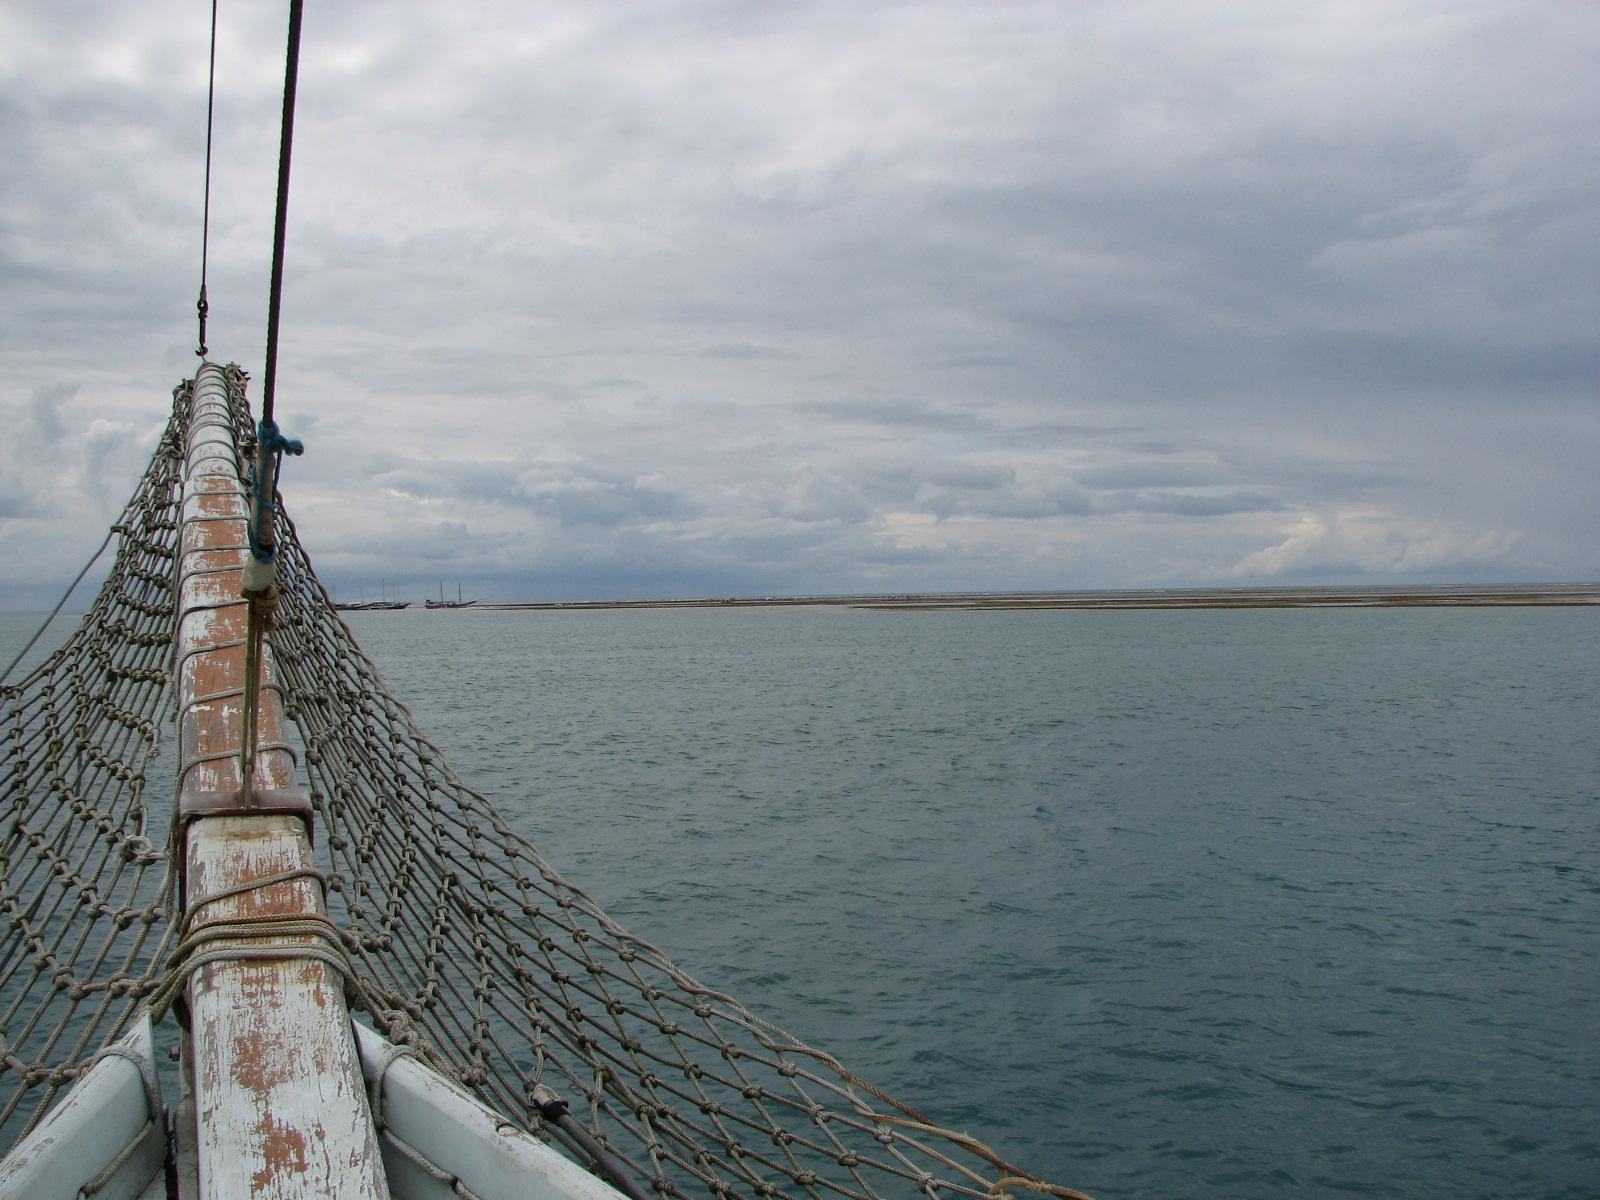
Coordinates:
[260,570]
[56,611]
[196,950]
[124,1156]
[1023,1181]
[259,882]
[147,1075]
[83,912]
[271,446]
[201,307]
[435,1172]
[285,149]
[391,1052]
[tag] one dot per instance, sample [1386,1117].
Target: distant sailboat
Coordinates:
[441,602]
[384,605]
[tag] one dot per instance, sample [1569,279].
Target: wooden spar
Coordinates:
[278,1098]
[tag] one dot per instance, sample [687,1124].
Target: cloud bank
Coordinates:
[726,298]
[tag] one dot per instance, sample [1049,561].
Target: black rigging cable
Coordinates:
[285,144]
[205,221]
[260,570]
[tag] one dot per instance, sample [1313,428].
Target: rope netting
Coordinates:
[464,944]
[83,866]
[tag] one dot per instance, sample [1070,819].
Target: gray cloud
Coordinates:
[896,412]
[742,350]
[718,297]
[44,413]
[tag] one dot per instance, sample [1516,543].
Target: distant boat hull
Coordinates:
[441,602]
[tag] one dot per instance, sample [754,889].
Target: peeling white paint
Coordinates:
[277,1082]
[279,1105]
[463,1137]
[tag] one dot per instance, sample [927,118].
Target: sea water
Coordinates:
[1238,904]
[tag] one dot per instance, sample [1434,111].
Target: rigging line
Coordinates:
[205,220]
[285,145]
[54,612]
[260,572]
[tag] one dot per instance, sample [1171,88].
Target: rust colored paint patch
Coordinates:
[221,501]
[214,535]
[257,1064]
[214,591]
[214,671]
[214,727]
[283,1152]
[215,560]
[210,730]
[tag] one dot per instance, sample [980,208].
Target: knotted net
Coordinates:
[463,942]
[84,877]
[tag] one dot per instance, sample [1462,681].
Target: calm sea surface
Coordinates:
[1220,904]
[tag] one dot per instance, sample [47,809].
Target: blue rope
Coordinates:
[270,444]
[269,436]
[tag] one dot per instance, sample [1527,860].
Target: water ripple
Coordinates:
[1180,904]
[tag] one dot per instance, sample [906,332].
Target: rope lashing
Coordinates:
[196,948]
[271,446]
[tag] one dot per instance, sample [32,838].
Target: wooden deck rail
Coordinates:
[277,1099]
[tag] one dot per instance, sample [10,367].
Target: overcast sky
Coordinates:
[717,298]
